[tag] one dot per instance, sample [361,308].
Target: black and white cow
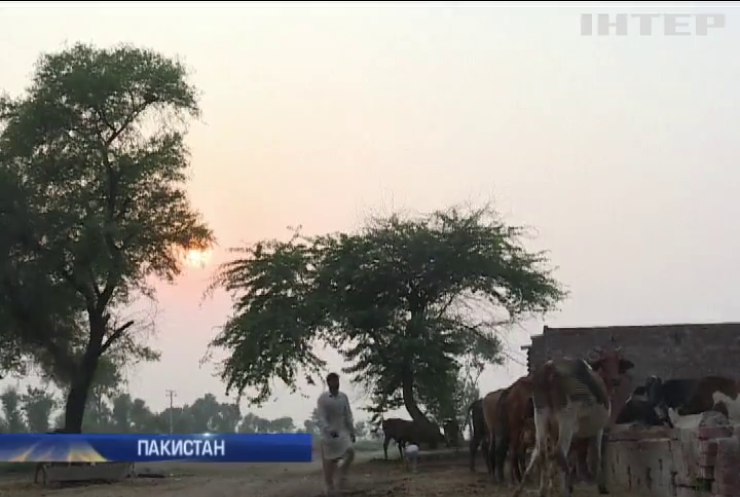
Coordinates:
[638,409]
[681,402]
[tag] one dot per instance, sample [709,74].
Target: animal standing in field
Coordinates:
[506,412]
[403,431]
[687,397]
[516,431]
[478,434]
[575,396]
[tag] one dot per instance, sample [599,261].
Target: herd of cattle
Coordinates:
[563,409]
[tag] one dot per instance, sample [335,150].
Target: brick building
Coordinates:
[669,351]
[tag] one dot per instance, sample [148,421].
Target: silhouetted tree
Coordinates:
[394,298]
[93,166]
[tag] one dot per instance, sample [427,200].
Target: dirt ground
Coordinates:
[369,478]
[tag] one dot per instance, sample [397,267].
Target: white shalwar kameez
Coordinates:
[335,415]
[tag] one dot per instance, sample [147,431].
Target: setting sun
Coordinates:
[197,258]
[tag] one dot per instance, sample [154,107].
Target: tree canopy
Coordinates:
[406,300]
[92,205]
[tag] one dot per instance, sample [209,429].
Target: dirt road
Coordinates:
[369,479]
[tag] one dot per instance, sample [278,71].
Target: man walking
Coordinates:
[337,433]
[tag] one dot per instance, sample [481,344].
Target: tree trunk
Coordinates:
[74,411]
[407,383]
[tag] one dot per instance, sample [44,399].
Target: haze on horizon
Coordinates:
[620,152]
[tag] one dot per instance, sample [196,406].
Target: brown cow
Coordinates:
[506,413]
[490,408]
[404,431]
[577,399]
[478,433]
[611,367]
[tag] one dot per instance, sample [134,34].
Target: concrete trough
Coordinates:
[695,462]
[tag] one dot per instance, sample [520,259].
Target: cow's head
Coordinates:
[610,365]
[654,390]
[656,399]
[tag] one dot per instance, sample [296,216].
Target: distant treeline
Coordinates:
[34,411]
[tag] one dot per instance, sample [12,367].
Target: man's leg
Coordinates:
[349,456]
[328,466]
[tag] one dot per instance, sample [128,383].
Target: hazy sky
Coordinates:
[619,150]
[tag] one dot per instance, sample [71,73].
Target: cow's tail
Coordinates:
[544,385]
[585,375]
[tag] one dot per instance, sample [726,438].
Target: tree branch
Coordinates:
[117,333]
[72,280]
[136,112]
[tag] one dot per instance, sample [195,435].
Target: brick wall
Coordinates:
[669,351]
[701,462]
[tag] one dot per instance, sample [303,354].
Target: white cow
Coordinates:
[569,394]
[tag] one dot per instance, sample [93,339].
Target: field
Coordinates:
[370,478]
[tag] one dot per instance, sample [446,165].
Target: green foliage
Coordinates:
[12,414]
[37,405]
[92,203]
[311,425]
[405,300]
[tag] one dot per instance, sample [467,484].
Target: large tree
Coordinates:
[92,206]
[406,301]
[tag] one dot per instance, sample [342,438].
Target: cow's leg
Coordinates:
[401,443]
[566,430]
[502,437]
[503,445]
[485,450]
[492,450]
[600,470]
[580,464]
[515,456]
[474,442]
[539,451]
[386,441]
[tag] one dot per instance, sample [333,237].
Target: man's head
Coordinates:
[332,381]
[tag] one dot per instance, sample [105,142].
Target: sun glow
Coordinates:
[197,258]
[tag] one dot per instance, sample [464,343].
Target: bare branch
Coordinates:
[117,333]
